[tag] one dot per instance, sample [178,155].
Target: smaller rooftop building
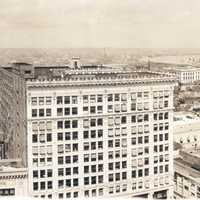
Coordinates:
[187,174]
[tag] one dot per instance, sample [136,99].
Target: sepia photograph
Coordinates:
[99,99]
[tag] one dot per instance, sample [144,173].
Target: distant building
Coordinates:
[187,74]
[184,73]
[187,174]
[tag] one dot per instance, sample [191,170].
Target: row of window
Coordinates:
[68,183]
[140,140]
[68,195]
[117,176]
[42,150]
[42,138]
[117,154]
[43,161]
[43,173]
[93,157]
[93,168]
[97,98]
[93,110]
[68,171]
[161,158]
[42,126]
[41,112]
[67,160]
[140,173]
[161,137]
[92,122]
[93,180]
[67,111]
[67,136]
[117,132]
[41,101]
[93,134]
[161,116]
[7,192]
[48,185]
[67,124]
[117,165]
[67,148]
[160,104]
[93,192]
[139,151]
[92,145]
[146,184]
[67,100]
[161,126]
[161,169]
[117,143]
[93,98]
[118,189]
[161,148]
[139,106]
[139,162]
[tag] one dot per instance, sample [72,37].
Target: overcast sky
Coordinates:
[100,23]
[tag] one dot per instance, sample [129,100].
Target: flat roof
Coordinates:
[72,77]
[185,117]
[192,170]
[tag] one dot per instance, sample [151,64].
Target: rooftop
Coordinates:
[98,76]
[186,68]
[189,163]
[192,170]
[182,117]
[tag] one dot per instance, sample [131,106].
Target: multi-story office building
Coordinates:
[100,133]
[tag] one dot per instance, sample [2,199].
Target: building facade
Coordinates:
[188,75]
[95,133]
[13,116]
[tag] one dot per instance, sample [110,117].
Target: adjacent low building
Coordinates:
[187,174]
[186,128]
[13,180]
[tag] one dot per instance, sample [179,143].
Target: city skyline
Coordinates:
[86,23]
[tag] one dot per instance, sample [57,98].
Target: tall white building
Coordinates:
[100,133]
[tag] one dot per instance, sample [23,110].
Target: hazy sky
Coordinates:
[100,23]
